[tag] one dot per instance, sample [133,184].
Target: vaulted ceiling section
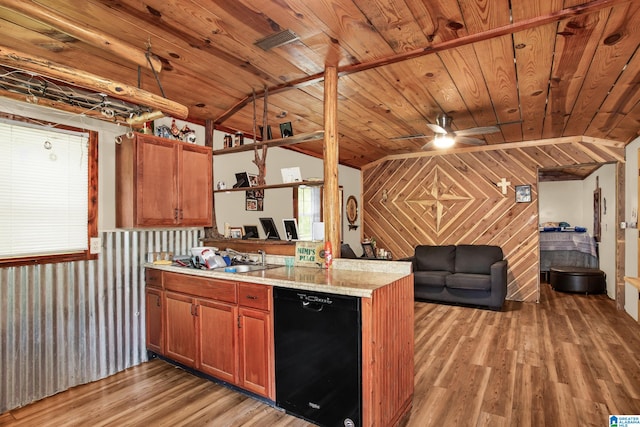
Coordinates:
[537,69]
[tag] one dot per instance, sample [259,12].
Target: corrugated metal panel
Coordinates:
[67,324]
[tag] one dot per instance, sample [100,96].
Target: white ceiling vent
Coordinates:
[277,40]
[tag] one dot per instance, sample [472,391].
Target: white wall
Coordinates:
[631,234]
[561,201]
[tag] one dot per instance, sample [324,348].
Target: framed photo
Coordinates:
[523,194]
[368,250]
[242,180]
[251,205]
[251,232]
[269,136]
[269,228]
[286,129]
[235,232]
[290,228]
[253,180]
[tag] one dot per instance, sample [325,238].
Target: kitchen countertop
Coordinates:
[346,277]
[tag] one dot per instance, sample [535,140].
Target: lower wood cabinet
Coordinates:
[221,328]
[154,315]
[218,340]
[181,335]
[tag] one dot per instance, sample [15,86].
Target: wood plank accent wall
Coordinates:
[452,198]
[67,324]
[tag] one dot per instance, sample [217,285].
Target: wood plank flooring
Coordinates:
[570,360]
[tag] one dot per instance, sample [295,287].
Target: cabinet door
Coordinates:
[218,342]
[156,193]
[153,318]
[195,186]
[256,352]
[181,342]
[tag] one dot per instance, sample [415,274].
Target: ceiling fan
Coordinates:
[445,136]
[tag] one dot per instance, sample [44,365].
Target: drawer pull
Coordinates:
[251,297]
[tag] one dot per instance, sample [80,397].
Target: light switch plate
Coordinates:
[95,245]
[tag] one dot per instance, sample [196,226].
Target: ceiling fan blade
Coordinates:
[415,136]
[477,131]
[429,145]
[436,128]
[469,141]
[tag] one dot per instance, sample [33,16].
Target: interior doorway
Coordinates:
[578,204]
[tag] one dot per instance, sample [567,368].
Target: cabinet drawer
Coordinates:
[254,296]
[221,290]
[153,278]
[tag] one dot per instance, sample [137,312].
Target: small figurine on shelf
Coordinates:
[175,131]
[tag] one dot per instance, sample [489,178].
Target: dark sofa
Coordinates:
[463,274]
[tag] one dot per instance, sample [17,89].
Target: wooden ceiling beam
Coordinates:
[84,32]
[525,24]
[42,66]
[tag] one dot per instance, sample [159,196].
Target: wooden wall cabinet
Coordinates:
[221,328]
[162,182]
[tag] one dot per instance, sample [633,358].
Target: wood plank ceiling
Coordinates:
[536,68]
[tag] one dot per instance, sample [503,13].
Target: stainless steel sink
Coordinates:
[245,268]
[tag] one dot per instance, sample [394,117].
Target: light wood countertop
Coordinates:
[633,281]
[354,278]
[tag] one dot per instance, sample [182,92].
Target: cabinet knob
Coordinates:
[175,214]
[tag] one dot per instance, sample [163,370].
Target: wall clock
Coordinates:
[352,212]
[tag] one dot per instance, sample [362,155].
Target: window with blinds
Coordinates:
[44,192]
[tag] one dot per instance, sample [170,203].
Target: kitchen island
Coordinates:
[236,308]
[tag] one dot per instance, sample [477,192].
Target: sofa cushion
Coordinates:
[472,282]
[435,258]
[434,279]
[476,259]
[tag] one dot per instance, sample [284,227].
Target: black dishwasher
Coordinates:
[317,355]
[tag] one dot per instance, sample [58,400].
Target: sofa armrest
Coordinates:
[411,259]
[499,281]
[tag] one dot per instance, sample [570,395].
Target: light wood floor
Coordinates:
[569,361]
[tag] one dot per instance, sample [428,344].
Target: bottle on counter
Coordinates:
[328,256]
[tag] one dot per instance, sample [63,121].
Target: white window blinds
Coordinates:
[43,190]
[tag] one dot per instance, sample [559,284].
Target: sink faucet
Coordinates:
[263,254]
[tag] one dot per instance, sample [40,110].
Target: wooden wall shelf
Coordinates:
[291,140]
[266,187]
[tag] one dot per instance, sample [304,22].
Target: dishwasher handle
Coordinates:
[312,306]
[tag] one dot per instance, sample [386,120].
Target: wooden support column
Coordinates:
[331,199]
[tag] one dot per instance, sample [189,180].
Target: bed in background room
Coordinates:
[571,246]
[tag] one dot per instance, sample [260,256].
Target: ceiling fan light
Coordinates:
[443,141]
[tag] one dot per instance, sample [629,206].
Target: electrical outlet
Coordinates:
[95,245]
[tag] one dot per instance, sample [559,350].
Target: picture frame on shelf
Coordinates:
[251,232]
[368,250]
[269,135]
[253,180]
[523,193]
[242,180]
[290,228]
[235,232]
[269,227]
[286,129]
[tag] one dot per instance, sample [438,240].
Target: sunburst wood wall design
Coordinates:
[453,199]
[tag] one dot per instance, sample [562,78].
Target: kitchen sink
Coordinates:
[245,268]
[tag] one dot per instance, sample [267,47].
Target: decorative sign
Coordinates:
[309,254]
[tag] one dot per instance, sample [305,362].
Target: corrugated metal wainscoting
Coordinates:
[67,324]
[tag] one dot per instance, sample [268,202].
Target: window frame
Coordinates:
[92,201]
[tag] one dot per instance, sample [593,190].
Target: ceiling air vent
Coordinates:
[277,40]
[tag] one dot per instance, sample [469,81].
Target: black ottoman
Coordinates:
[577,279]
